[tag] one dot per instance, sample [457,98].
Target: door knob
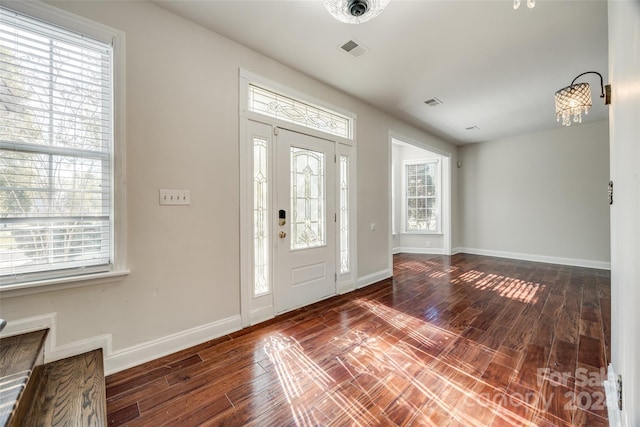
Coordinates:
[283,234]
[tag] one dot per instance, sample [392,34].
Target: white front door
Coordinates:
[305,237]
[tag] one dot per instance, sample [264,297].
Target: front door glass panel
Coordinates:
[308,226]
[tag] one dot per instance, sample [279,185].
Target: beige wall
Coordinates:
[541,194]
[182,132]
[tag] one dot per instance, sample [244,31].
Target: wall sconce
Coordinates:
[575,99]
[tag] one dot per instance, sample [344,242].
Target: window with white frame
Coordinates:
[422,184]
[56,151]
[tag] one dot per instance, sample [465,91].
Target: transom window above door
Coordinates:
[293,110]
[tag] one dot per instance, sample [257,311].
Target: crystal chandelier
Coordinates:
[575,99]
[355,11]
[530,4]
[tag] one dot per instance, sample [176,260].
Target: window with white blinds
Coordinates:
[56,151]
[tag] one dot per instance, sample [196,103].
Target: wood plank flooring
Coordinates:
[71,392]
[19,354]
[449,341]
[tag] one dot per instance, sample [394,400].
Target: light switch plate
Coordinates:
[175,197]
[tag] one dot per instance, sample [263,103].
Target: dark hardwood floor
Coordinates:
[449,341]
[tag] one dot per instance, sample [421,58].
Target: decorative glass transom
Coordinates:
[285,108]
[422,204]
[344,214]
[260,217]
[307,198]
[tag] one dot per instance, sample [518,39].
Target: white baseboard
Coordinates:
[396,250]
[141,353]
[261,314]
[78,347]
[616,416]
[119,360]
[344,287]
[35,323]
[601,265]
[427,251]
[455,251]
[29,324]
[52,351]
[372,278]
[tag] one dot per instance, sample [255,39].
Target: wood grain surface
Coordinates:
[19,355]
[464,340]
[71,393]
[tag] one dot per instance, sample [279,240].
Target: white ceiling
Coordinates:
[492,66]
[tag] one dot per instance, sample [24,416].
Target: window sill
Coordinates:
[50,285]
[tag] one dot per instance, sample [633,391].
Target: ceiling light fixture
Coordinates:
[575,99]
[530,4]
[355,11]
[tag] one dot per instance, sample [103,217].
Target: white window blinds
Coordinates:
[56,216]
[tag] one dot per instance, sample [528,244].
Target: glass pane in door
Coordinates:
[261,271]
[344,215]
[308,226]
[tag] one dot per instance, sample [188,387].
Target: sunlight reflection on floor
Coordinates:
[508,287]
[516,289]
[379,366]
[305,384]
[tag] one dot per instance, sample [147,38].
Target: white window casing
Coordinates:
[61,148]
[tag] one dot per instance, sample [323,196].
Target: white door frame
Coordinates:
[446,172]
[257,309]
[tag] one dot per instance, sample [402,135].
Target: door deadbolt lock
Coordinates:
[282,217]
[283,234]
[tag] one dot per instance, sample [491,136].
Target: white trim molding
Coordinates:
[372,278]
[31,324]
[60,283]
[600,265]
[427,251]
[345,287]
[616,416]
[52,351]
[261,314]
[154,349]
[115,361]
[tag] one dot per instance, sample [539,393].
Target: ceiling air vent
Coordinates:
[433,102]
[354,48]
